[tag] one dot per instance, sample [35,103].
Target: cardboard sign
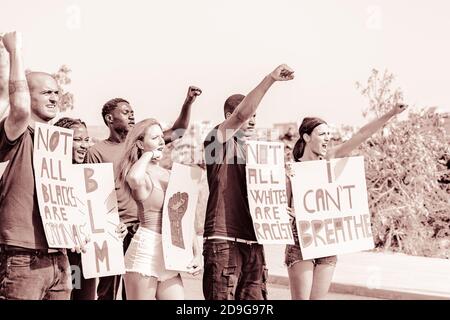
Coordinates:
[332,212]
[64,224]
[178,216]
[266,190]
[104,253]
[3,167]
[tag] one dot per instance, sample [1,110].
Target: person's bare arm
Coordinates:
[19,95]
[137,177]
[4,79]
[247,107]
[364,133]
[195,266]
[182,123]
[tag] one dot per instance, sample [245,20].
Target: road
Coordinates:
[193,289]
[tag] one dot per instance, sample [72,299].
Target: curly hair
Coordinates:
[69,123]
[110,105]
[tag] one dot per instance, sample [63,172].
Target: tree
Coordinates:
[66,99]
[410,209]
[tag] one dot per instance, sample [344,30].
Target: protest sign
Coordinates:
[65,225]
[3,167]
[332,212]
[266,190]
[104,253]
[178,216]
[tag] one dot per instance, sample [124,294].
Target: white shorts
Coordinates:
[145,256]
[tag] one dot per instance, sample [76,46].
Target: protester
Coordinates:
[311,279]
[87,290]
[118,115]
[141,176]
[4,79]
[234,262]
[29,269]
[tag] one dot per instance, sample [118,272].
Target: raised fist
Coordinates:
[178,204]
[2,47]
[282,73]
[193,92]
[156,154]
[12,41]
[399,108]
[4,59]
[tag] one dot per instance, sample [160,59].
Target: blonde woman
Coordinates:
[146,277]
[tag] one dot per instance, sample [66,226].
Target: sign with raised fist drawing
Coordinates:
[177,208]
[178,216]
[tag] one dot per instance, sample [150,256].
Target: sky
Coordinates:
[149,52]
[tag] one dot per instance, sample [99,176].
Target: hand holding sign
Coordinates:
[195,267]
[122,231]
[178,204]
[81,248]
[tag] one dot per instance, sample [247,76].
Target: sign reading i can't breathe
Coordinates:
[266,191]
[64,225]
[332,212]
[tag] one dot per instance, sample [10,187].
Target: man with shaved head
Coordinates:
[4,77]
[29,269]
[235,267]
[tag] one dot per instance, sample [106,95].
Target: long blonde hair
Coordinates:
[131,151]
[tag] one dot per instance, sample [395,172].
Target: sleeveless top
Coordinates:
[150,210]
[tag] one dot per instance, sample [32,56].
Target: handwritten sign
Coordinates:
[178,216]
[332,212]
[3,167]
[64,226]
[104,253]
[266,190]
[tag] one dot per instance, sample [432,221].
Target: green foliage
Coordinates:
[66,99]
[410,208]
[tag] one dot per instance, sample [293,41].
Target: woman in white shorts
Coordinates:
[146,277]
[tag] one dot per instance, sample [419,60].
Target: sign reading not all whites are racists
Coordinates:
[266,190]
[332,212]
[64,226]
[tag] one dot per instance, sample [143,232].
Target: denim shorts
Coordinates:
[293,254]
[145,256]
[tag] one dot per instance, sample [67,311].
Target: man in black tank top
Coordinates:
[234,265]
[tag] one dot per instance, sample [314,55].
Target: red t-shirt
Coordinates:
[103,152]
[227,212]
[20,221]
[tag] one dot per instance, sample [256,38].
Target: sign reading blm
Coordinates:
[104,253]
[332,212]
